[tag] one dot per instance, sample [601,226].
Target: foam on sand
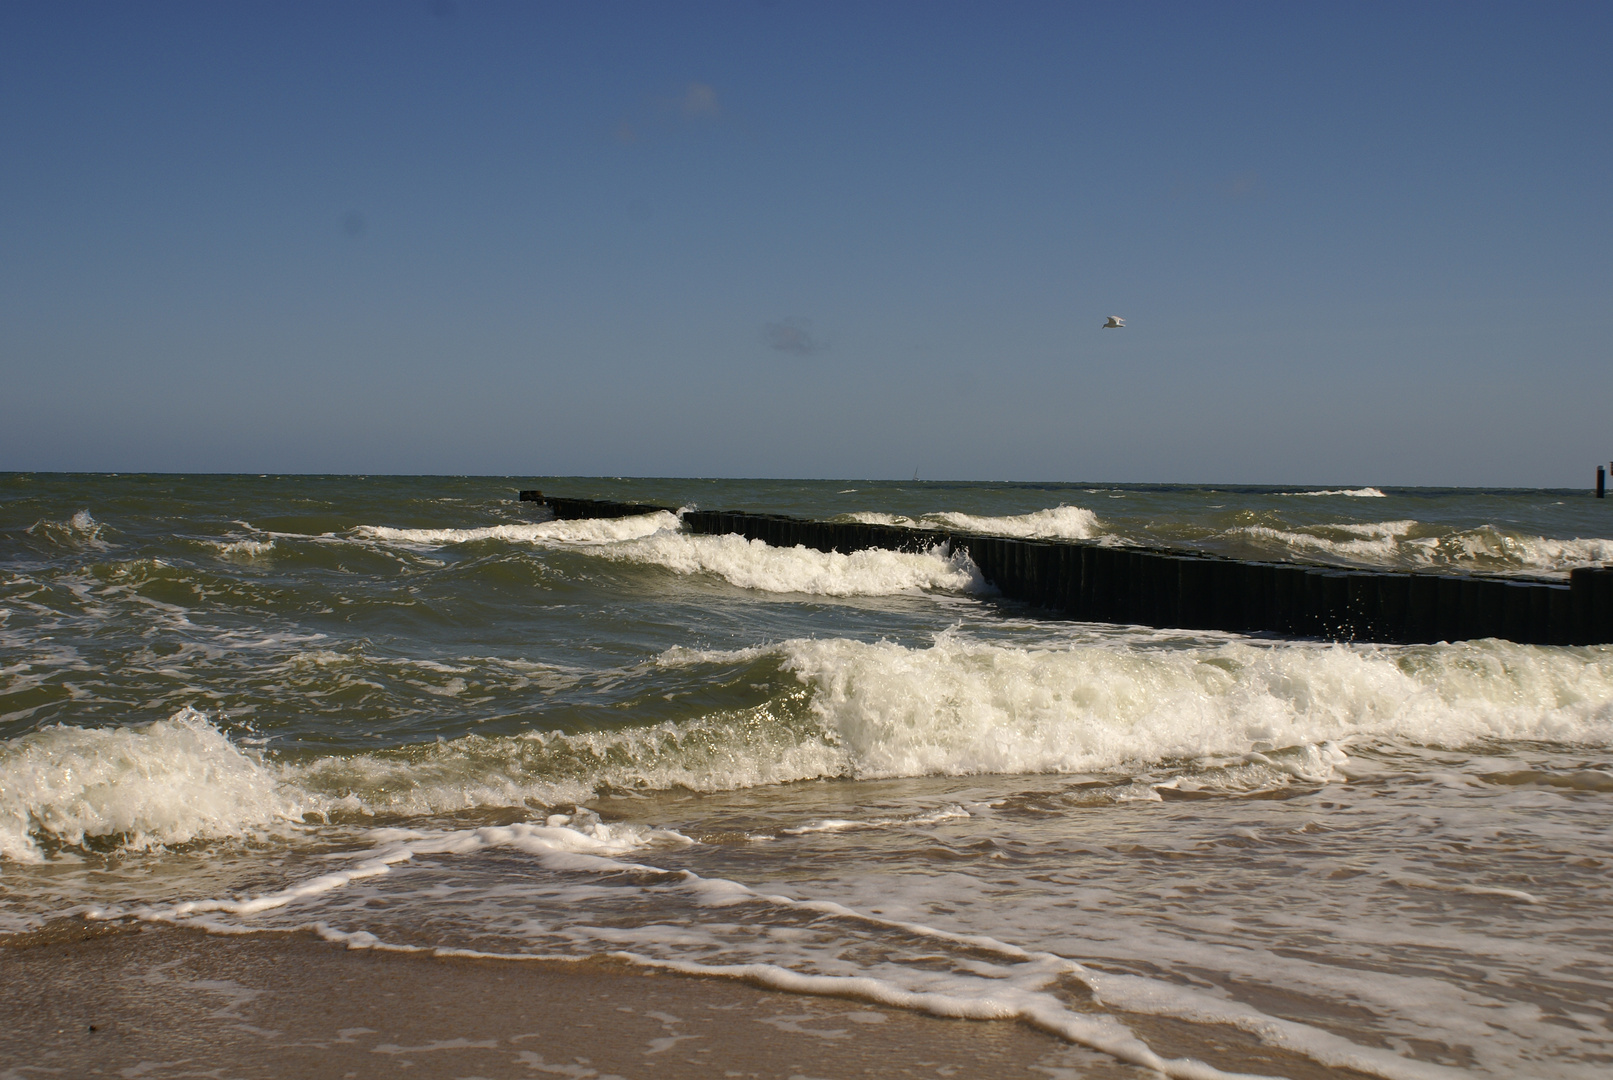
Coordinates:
[581,835]
[988,977]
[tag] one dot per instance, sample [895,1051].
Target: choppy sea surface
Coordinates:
[415,713]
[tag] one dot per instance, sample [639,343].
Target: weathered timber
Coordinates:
[1086,580]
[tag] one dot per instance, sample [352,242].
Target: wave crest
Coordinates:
[1352,493]
[169,782]
[1414,544]
[1234,716]
[752,564]
[964,707]
[79,532]
[559,531]
[1054,523]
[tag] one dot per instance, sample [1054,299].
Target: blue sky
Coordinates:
[1353,242]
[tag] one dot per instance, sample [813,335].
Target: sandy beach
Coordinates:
[136,1001]
[806,541]
[299,775]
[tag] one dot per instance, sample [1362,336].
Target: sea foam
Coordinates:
[963,706]
[1054,523]
[563,531]
[752,564]
[655,540]
[1414,544]
[1240,715]
[246,549]
[168,782]
[81,531]
[989,976]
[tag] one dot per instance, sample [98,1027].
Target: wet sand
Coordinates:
[133,1001]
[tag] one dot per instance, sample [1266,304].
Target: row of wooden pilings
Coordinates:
[1195,591]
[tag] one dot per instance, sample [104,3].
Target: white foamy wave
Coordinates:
[168,782]
[79,531]
[1415,544]
[562,531]
[875,517]
[655,540]
[182,779]
[771,744]
[965,707]
[1352,493]
[242,549]
[1234,716]
[1238,717]
[1376,543]
[1531,554]
[752,564]
[1055,523]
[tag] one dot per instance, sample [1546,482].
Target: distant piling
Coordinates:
[1601,482]
[1089,581]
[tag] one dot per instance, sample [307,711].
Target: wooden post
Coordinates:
[1160,588]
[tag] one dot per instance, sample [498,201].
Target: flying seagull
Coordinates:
[1115,323]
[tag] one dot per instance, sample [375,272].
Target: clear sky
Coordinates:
[1353,242]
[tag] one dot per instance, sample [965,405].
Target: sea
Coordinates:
[418,714]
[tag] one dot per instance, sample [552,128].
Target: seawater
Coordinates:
[415,713]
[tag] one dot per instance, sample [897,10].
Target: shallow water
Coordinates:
[413,713]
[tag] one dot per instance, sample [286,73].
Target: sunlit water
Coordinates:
[414,713]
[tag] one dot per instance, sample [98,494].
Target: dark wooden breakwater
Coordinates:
[1086,580]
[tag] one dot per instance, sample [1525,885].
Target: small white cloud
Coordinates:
[792,336]
[699,100]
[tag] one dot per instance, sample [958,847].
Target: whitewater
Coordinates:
[257,704]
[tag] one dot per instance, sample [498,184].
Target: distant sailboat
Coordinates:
[1115,323]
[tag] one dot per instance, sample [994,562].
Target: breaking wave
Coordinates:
[655,540]
[560,531]
[165,783]
[242,549]
[840,708]
[1353,493]
[752,564]
[79,532]
[1055,523]
[1415,545]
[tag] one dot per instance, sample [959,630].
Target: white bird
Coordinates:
[1115,323]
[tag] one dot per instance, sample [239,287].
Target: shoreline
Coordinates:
[141,1000]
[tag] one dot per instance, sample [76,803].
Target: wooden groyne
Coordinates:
[1086,580]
